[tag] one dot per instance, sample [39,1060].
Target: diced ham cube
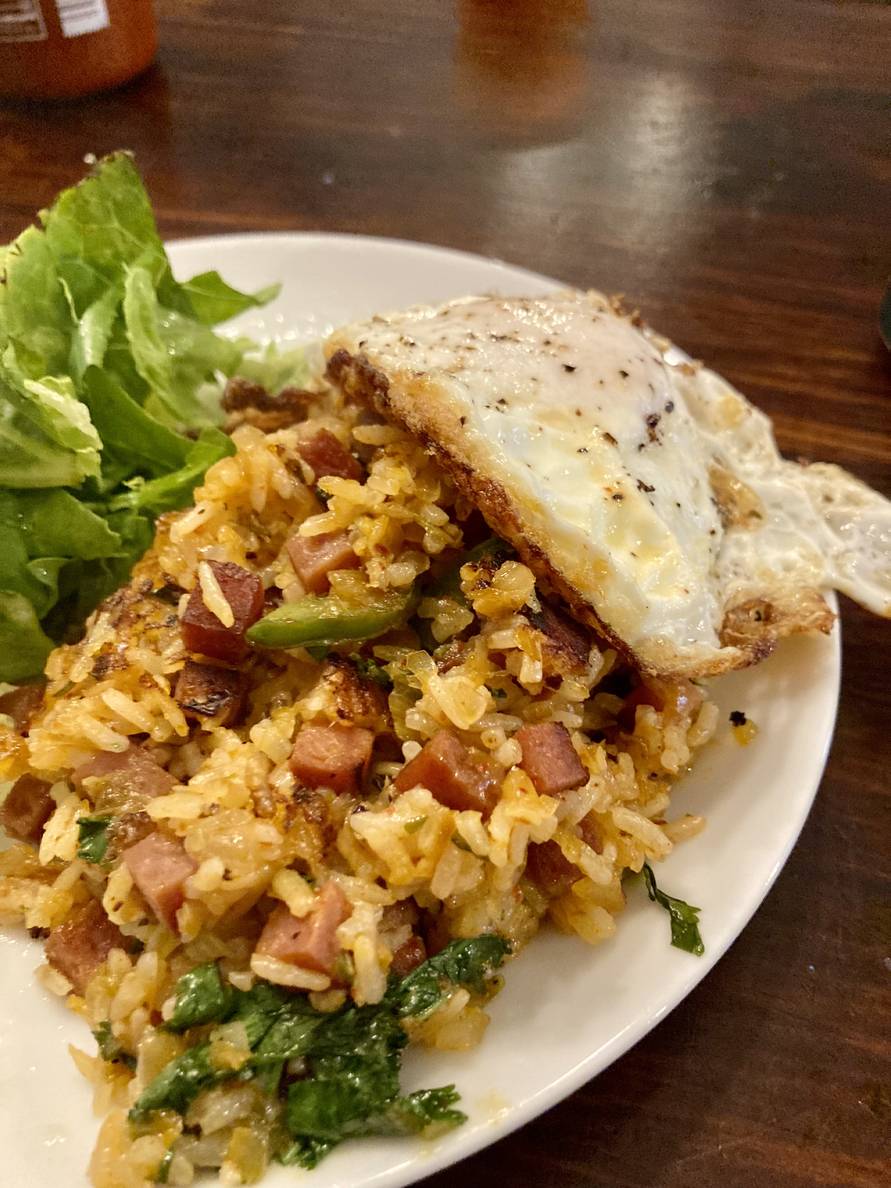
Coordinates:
[311,942]
[160,866]
[549,869]
[314,557]
[550,759]
[335,757]
[408,956]
[21,703]
[126,780]
[591,833]
[27,808]
[210,691]
[446,769]
[324,453]
[201,629]
[79,946]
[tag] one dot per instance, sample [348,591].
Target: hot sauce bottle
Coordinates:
[53,49]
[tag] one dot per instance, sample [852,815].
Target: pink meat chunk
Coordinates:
[79,946]
[550,759]
[314,557]
[547,867]
[202,630]
[27,808]
[125,781]
[311,942]
[160,866]
[324,453]
[446,769]
[334,757]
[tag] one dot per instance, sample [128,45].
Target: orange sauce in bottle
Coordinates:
[54,49]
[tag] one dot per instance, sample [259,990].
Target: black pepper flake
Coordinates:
[645,487]
[623,373]
[462,420]
[582,450]
[652,421]
[568,367]
[738,718]
[618,497]
[669,406]
[578,412]
[609,437]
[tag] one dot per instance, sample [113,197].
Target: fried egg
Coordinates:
[642,488]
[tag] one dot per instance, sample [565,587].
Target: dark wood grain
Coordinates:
[726,166]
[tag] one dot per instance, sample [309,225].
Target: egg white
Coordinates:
[649,493]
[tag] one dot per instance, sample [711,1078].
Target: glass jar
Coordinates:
[53,49]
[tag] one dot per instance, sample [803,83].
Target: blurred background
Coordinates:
[725,165]
[651,148]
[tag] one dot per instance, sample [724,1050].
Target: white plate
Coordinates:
[567,1011]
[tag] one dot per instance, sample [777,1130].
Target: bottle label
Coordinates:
[82,16]
[21,20]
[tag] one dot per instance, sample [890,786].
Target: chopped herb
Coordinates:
[163,1172]
[738,718]
[110,1047]
[351,1057]
[498,694]
[413,825]
[178,1083]
[458,840]
[201,997]
[470,963]
[92,838]
[322,496]
[371,670]
[684,918]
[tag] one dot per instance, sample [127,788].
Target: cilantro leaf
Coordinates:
[201,997]
[92,837]
[684,918]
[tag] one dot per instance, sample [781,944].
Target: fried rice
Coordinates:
[479,658]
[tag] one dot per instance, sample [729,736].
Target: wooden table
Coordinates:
[725,165]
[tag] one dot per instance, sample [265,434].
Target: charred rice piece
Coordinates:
[22,703]
[208,691]
[250,403]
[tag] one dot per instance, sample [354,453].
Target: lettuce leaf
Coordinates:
[108,366]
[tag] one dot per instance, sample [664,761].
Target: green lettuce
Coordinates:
[108,367]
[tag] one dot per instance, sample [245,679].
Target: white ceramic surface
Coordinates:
[567,1011]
